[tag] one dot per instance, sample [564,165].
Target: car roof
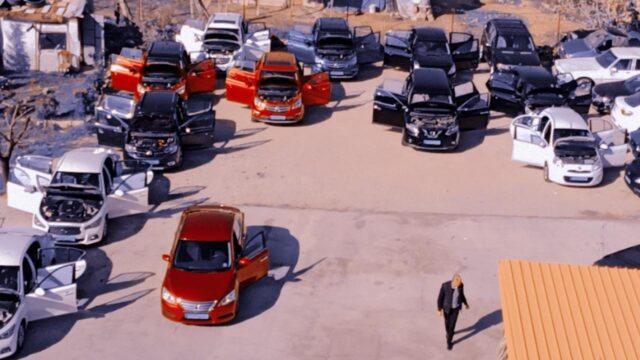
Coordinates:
[86,160]
[14,243]
[626,52]
[226,17]
[430,34]
[333,23]
[430,80]
[157,102]
[565,118]
[207,223]
[510,26]
[165,49]
[279,61]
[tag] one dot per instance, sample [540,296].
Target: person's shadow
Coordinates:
[483,323]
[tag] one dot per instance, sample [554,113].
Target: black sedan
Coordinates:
[605,94]
[632,175]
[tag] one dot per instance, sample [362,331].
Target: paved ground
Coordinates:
[362,232]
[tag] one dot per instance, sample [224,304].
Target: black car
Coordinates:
[429,109]
[605,94]
[632,175]
[331,46]
[507,42]
[430,47]
[161,126]
[521,88]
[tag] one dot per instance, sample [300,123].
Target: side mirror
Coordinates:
[166,257]
[244,261]
[604,146]
[30,189]
[613,70]
[119,193]
[39,292]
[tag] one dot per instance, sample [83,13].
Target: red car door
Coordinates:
[254,264]
[126,73]
[316,89]
[241,86]
[201,77]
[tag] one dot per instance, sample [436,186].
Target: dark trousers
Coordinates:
[450,319]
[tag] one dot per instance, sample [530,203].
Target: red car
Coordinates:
[164,66]
[276,90]
[209,264]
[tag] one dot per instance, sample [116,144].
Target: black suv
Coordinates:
[507,42]
[159,128]
[430,47]
[332,47]
[430,110]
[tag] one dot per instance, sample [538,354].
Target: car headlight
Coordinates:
[94,224]
[319,60]
[453,129]
[8,333]
[413,129]
[416,65]
[181,89]
[452,70]
[229,298]
[564,78]
[141,89]
[637,181]
[259,104]
[353,60]
[626,112]
[170,149]
[37,222]
[297,104]
[129,148]
[503,67]
[168,297]
[557,161]
[597,166]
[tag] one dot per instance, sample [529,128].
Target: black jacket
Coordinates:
[445,298]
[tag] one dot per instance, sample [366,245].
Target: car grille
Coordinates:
[282,108]
[431,134]
[194,306]
[221,60]
[64,230]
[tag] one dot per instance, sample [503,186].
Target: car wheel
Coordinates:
[22,330]
[546,173]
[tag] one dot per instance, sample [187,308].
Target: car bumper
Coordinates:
[632,184]
[72,233]
[584,179]
[9,345]
[441,143]
[219,314]
[337,71]
[289,117]
[158,161]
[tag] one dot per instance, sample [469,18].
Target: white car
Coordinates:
[73,200]
[225,37]
[37,281]
[571,150]
[616,64]
[626,112]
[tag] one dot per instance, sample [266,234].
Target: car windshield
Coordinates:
[203,256]
[278,80]
[9,277]
[71,178]
[335,42]
[515,43]
[564,133]
[154,124]
[162,70]
[119,105]
[431,47]
[633,84]
[606,58]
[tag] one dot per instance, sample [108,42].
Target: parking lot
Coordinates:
[362,232]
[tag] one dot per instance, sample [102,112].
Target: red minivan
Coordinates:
[210,262]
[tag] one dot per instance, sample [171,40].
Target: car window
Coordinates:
[9,277]
[623,64]
[203,256]
[76,179]
[514,42]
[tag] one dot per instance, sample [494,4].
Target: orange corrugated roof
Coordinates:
[559,311]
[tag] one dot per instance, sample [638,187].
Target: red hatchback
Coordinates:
[210,262]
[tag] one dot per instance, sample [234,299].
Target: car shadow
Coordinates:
[485,322]
[628,258]
[368,72]
[98,280]
[318,114]
[610,175]
[284,252]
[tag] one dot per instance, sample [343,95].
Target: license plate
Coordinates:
[152,162]
[277,117]
[65,238]
[431,142]
[338,73]
[191,316]
[578,178]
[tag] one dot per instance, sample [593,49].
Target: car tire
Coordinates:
[180,159]
[22,331]
[546,173]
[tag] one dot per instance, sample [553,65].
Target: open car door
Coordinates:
[388,104]
[129,193]
[201,77]
[612,142]
[257,43]
[300,43]
[126,70]
[254,264]
[397,49]
[57,270]
[316,89]
[191,35]
[27,179]
[199,123]
[473,107]
[368,46]
[113,116]
[241,84]
[528,146]
[502,85]
[465,50]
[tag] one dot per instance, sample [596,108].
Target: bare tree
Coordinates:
[14,125]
